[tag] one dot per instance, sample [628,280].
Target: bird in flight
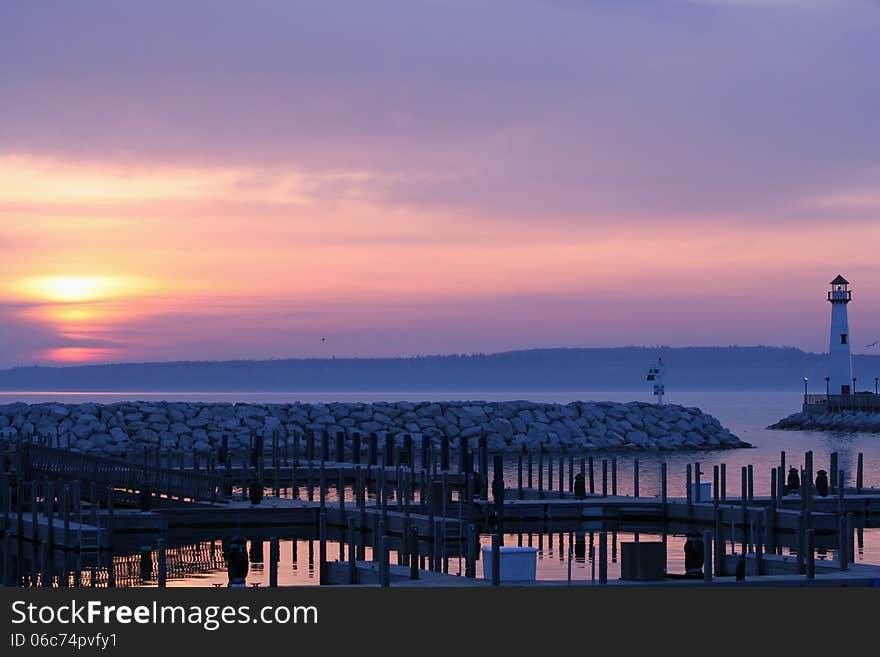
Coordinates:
[325,340]
[873,344]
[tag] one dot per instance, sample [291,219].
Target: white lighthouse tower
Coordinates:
[840,363]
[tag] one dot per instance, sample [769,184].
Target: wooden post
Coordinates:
[592,482]
[496,559]
[663,493]
[635,478]
[273,561]
[413,550]
[719,541]
[783,474]
[860,466]
[604,477]
[751,475]
[801,544]
[541,475]
[340,447]
[715,492]
[340,491]
[759,542]
[832,472]
[603,557]
[530,477]
[614,476]
[698,475]
[811,558]
[842,548]
[519,477]
[322,547]
[356,447]
[471,554]
[707,556]
[571,474]
[723,494]
[352,554]
[160,558]
[850,544]
[689,489]
[561,477]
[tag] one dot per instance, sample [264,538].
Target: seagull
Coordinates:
[325,340]
[873,344]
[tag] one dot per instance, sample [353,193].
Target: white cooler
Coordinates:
[518,564]
[705,491]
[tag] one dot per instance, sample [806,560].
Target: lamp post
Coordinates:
[854,386]
[805,390]
[876,383]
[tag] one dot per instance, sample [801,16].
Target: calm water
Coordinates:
[745,413]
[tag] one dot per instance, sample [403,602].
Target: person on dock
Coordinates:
[794,481]
[693,555]
[580,486]
[237,564]
[822,483]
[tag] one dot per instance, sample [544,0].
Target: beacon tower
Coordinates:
[840,364]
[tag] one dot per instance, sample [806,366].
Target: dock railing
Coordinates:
[860,401]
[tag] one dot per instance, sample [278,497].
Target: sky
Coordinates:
[292,178]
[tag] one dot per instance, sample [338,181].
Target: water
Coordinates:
[747,414]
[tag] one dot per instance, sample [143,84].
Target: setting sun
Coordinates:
[75,289]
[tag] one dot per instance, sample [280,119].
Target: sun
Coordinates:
[75,289]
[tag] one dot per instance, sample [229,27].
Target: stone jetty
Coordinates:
[120,428]
[847,421]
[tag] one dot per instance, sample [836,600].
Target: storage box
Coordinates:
[518,564]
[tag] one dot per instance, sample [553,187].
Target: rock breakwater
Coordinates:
[120,428]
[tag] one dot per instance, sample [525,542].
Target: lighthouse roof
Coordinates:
[840,280]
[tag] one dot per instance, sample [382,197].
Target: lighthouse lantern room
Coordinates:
[840,363]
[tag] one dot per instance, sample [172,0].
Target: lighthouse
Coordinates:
[840,363]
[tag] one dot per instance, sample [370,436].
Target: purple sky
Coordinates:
[225,179]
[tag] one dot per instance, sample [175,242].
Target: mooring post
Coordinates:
[373,449]
[322,547]
[340,492]
[751,479]
[783,474]
[437,552]
[719,541]
[635,478]
[811,558]
[698,475]
[484,467]
[689,489]
[160,558]
[723,494]
[850,544]
[801,545]
[604,477]
[413,551]
[561,477]
[744,495]
[841,494]
[614,476]
[384,566]
[571,474]
[759,541]
[356,447]
[832,472]
[273,561]
[530,473]
[519,477]
[496,559]
[663,496]
[550,474]
[603,557]
[423,452]
[592,482]
[860,466]
[707,556]
[389,449]
[716,472]
[541,474]
[842,548]
[352,553]
[470,564]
